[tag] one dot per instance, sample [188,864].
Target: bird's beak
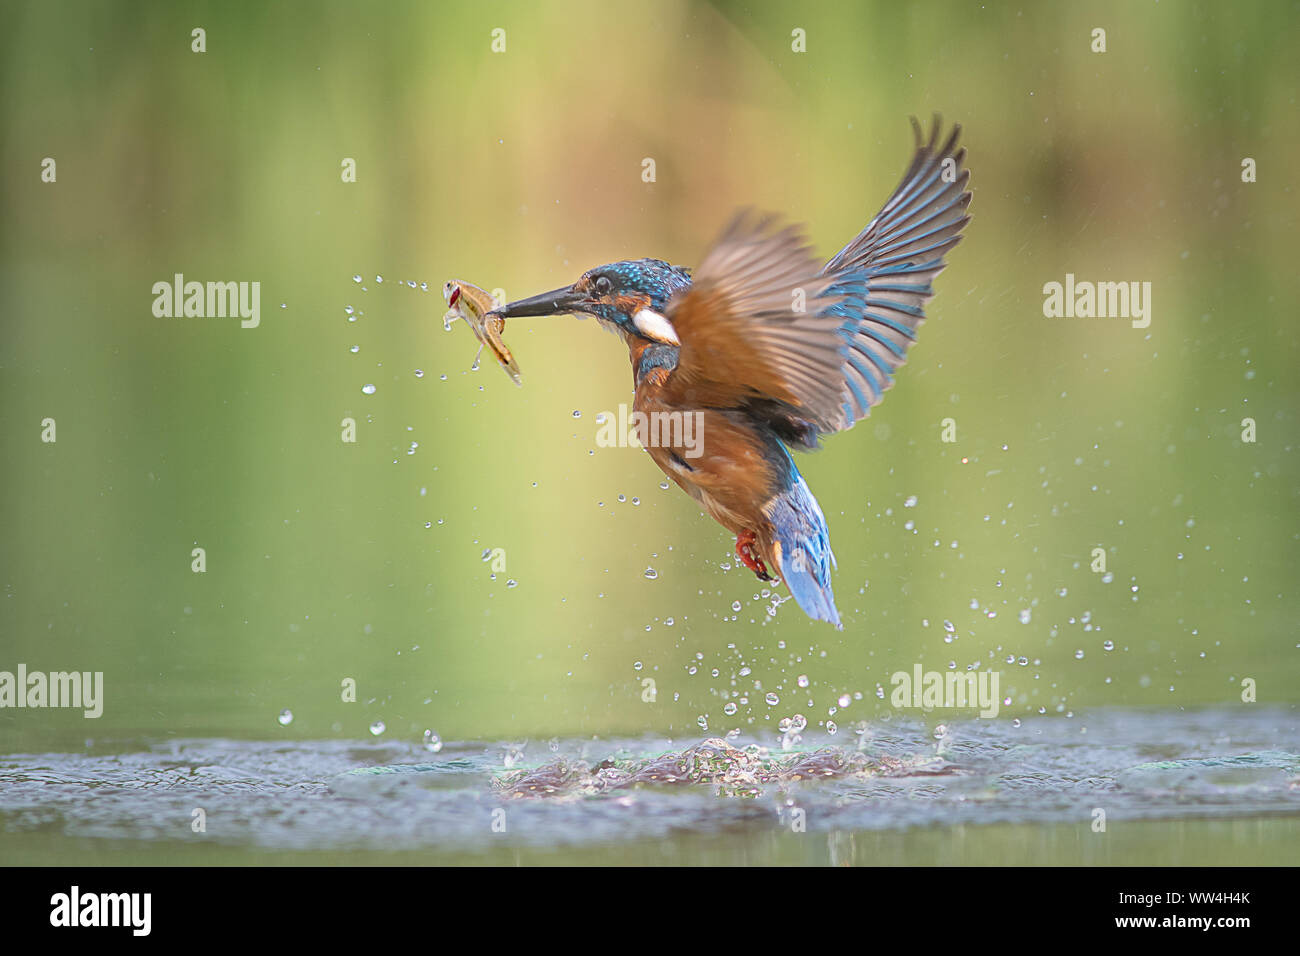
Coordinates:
[555,302]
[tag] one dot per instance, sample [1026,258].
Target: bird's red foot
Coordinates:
[745,550]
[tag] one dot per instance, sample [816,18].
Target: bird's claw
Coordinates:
[745,551]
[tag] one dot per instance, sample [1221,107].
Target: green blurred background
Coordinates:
[521,169]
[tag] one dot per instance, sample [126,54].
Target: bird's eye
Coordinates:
[602,285]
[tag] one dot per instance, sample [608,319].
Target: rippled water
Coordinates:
[1174,787]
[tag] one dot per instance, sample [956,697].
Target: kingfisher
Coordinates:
[763,349]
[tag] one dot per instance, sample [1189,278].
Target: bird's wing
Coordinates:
[884,275]
[756,326]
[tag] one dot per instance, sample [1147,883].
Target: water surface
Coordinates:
[1201,787]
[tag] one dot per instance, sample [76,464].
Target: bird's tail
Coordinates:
[802,547]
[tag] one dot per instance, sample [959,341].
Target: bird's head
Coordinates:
[632,296]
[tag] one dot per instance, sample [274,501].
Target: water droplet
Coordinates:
[419,373]
[356,278]
[1025,616]
[910,502]
[576,413]
[735,605]
[286,717]
[432,742]
[651,574]
[355,349]
[803,680]
[368,389]
[772,699]
[1108,645]
[379,278]
[845,700]
[1078,655]
[377,728]
[512,583]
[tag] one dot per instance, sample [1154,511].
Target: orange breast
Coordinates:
[718,458]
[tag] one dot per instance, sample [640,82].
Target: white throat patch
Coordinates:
[655,325]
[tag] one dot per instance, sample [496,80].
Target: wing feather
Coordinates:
[885,274]
[755,325]
[746,344]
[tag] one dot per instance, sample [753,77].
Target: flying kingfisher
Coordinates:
[769,350]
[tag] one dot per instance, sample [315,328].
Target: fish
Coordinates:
[467,301]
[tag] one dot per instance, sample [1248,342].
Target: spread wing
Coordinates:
[756,328]
[811,350]
[884,276]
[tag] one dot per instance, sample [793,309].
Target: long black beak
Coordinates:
[555,302]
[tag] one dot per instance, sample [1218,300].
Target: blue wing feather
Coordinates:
[886,273]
